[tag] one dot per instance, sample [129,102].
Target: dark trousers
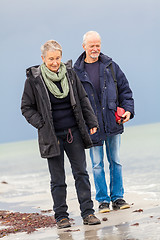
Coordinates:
[76,154]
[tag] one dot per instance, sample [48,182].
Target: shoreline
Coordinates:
[140,221]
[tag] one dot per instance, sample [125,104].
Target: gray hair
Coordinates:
[89,34]
[50,45]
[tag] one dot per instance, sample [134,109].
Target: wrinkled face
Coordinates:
[52,60]
[92,48]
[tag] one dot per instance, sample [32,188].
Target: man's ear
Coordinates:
[84,47]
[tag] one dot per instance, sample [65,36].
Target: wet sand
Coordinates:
[140,221]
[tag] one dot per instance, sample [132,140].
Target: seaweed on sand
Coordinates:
[15,222]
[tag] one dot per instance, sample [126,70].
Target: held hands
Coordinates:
[126,116]
[93,130]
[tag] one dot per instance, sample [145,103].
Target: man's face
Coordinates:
[92,48]
[52,60]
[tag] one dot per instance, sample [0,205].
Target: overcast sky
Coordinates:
[130,32]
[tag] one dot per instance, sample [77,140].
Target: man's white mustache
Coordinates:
[95,52]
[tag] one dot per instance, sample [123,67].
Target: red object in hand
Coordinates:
[118,114]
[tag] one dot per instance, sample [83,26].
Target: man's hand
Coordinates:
[126,116]
[93,130]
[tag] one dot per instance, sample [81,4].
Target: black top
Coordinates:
[93,72]
[63,117]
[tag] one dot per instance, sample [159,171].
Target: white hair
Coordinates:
[87,34]
[50,45]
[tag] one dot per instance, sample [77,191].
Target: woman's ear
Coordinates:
[42,58]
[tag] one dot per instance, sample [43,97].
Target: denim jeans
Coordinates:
[76,155]
[112,145]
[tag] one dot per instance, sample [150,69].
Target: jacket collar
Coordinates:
[79,64]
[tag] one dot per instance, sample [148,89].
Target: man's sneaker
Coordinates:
[104,207]
[120,204]
[91,220]
[63,223]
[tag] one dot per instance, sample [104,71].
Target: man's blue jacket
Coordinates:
[106,105]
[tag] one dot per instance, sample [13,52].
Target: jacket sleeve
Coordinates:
[29,106]
[88,113]
[125,96]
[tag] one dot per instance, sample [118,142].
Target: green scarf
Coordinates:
[51,77]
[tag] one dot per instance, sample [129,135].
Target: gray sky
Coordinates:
[130,32]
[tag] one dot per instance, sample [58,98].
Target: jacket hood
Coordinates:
[68,64]
[35,70]
[79,64]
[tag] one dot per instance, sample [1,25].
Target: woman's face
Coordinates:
[52,60]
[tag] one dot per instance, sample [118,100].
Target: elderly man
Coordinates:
[107,88]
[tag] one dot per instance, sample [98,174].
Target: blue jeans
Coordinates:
[76,155]
[112,145]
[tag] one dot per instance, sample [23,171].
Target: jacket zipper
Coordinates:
[50,107]
[102,108]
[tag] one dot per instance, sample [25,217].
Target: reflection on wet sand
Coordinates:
[65,236]
[117,232]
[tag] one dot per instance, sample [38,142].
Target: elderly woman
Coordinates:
[55,103]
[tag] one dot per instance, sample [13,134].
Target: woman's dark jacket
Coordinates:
[36,108]
[105,106]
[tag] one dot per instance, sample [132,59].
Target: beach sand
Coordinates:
[24,187]
[140,221]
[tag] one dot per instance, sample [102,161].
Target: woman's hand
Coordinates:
[93,130]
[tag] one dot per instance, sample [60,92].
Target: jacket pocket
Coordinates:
[43,134]
[111,116]
[95,137]
[113,126]
[111,119]
[44,140]
[112,105]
